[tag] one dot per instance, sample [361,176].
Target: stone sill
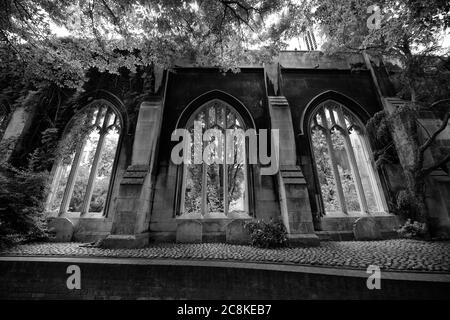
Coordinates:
[355,214]
[214,216]
[77,215]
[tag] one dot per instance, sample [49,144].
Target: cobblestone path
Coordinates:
[399,254]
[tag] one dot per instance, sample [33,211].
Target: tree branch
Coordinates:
[439,101]
[385,148]
[433,167]
[115,19]
[229,4]
[431,139]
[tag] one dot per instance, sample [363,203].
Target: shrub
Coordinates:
[22,197]
[264,234]
[412,230]
[406,205]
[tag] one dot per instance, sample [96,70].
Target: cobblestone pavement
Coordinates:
[397,254]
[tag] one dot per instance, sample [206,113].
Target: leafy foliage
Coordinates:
[271,234]
[412,229]
[83,134]
[110,34]
[381,139]
[409,37]
[214,191]
[22,196]
[325,173]
[406,204]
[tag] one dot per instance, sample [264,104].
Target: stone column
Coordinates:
[17,125]
[133,204]
[293,192]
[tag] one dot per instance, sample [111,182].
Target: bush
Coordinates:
[406,205]
[22,198]
[264,234]
[412,230]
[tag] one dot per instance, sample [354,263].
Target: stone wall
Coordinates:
[186,90]
[438,183]
[302,79]
[305,89]
[44,278]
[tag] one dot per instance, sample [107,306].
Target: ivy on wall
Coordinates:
[54,111]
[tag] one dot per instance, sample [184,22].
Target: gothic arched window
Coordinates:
[83,174]
[221,188]
[347,177]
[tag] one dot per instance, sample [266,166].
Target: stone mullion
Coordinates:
[95,162]
[353,163]
[204,172]
[333,161]
[192,152]
[183,188]
[374,179]
[372,176]
[225,167]
[333,120]
[74,170]
[71,179]
[54,185]
[246,176]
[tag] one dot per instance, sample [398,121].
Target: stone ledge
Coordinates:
[335,235]
[340,223]
[113,241]
[307,240]
[294,181]
[138,167]
[135,175]
[292,175]
[278,101]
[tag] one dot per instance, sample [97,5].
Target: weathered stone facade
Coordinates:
[143,202]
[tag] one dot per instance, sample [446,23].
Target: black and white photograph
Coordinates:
[226,155]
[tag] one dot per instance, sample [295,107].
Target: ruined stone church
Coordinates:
[118,183]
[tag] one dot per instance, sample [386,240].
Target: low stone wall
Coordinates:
[113,278]
[340,228]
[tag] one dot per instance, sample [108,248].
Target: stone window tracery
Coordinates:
[83,174]
[219,189]
[348,180]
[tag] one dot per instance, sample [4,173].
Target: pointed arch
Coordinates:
[345,100]
[220,189]
[115,103]
[218,95]
[344,167]
[84,175]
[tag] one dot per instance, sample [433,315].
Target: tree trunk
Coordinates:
[403,129]
[416,189]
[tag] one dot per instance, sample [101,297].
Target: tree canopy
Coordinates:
[408,33]
[111,34]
